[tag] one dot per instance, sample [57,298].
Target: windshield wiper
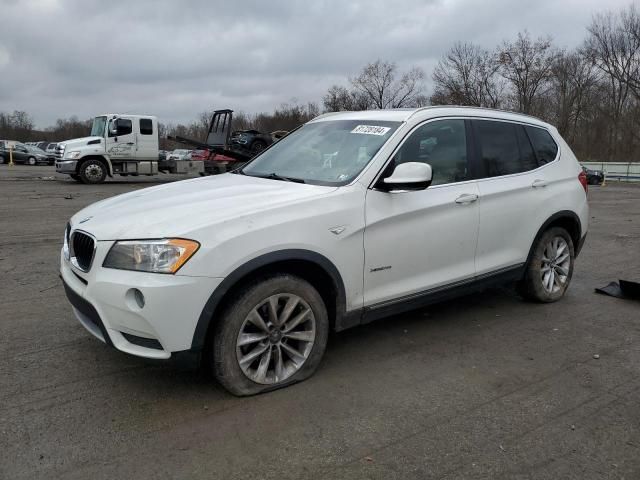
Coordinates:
[275,176]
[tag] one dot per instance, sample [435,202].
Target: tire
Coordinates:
[76,177]
[92,172]
[540,272]
[257,146]
[32,161]
[245,378]
[2,160]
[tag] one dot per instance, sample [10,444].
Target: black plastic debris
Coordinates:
[621,289]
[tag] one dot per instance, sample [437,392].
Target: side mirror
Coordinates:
[409,176]
[113,127]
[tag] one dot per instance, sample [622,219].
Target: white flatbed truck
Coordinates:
[118,145]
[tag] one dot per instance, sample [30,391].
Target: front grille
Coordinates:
[59,152]
[82,247]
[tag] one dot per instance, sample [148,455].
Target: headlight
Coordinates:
[65,242]
[155,256]
[73,155]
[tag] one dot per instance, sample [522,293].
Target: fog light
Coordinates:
[139,297]
[134,299]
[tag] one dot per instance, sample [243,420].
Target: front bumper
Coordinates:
[66,166]
[104,304]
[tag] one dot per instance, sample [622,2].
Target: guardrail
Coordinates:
[621,171]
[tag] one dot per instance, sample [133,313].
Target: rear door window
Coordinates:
[545,147]
[501,148]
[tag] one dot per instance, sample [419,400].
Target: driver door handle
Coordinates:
[466,198]
[539,183]
[130,143]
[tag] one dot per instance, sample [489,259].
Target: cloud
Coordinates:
[176,59]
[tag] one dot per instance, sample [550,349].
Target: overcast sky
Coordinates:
[176,58]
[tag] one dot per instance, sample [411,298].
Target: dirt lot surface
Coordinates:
[487,386]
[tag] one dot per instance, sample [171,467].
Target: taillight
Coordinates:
[582,178]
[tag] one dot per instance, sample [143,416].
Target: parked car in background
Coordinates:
[50,150]
[251,271]
[219,163]
[178,154]
[23,153]
[199,154]
[251,140]
[594,177]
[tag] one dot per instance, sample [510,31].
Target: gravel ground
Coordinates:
[486,386]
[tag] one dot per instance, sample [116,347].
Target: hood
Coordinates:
[179,208]
[78,142]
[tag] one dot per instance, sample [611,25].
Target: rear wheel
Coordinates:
[2,160]
[258,146]
[270,336]
[92,172]
[550,268]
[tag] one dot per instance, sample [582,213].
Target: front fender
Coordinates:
[240,273]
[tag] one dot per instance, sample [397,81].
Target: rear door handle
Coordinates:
[539,183]
[467,198]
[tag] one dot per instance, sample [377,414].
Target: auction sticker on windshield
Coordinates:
[370,130]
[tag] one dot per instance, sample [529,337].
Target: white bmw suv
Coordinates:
[352,217]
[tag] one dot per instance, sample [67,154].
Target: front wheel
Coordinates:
[271,335]
[550,268]
[92,172]
[32,161]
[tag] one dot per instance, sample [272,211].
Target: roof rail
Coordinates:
[475,108]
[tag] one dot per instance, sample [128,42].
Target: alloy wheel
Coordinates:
[276,338]
[556,262]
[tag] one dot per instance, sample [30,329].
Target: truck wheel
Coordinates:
[550,268]
[92,172]
[32,161]
[271,335]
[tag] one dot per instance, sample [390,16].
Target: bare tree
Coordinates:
[573,80]
[378,83]
[468,75]
[339,98]
[613,45]
[526,64]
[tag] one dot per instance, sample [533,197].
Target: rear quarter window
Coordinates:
[543,144]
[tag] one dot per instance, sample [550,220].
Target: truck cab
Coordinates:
[117,145]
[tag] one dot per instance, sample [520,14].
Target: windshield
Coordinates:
[97,130]
[323,153]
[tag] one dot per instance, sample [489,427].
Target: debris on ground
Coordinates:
[622,289]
